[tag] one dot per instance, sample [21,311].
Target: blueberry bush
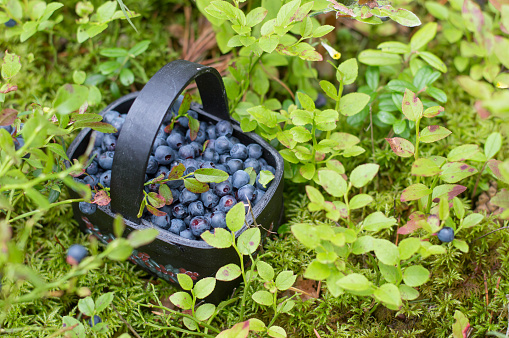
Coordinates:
[391,118]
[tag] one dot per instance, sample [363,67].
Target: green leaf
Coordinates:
[472,220]
[139,48]
[248,241]
[355,282]
[389,294]
[492,145]
[228,272]
[205,311]
[69,98]
[285,280]
[461,325]
[256,16]
[317,271]
[276,332]
[287,11]
[240,330]
[438,10]
[119,249]
[256,325]
[329,89]
[415,275]
[373,57]
[79,329]
[433,133]
[210,175]
[401,146]
[126,77]
[463,152]
[86,306]
[11,65]
[415,192]
[363,174]
[204,287]
[326,119]
[423,36]
[185,281]
[268,43]
[456,171]
[353,103]
[378,221]
[193,185]
[478,89]
[460,245]
[394,47]
[407,292]
[412,106]
[363,244]
[322,30]
[306,102]
[408,247]
[425,167]
[79,77]
[8,116]
[349,71]
[386,252]
[263,298]
[405,18]
[155,200]
[139,238]
[433,60]
[332,182]
[220,239]
[235,218]
[113,52]
[360,201]
[182,300]
[265,271]
[433,111]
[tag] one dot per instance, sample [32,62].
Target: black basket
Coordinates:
[170,254]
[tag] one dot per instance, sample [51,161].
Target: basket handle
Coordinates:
[143,121]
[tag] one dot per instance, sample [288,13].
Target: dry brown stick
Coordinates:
[125,322]
[278,81]
[316,333]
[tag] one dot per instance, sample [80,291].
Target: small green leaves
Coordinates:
[317,271]
[408,247]
[363,174]
[285,280]
[263,298]
[248,241]
[220,239]
[456,171]
[378,221]
[407,292]
[360,201]
[415,192]
[265,271]
[204,287]
[353,103]
[412,106]
[208,175]
[11,65]
[69,98]
[386,252]
[239,330]
[425,167]
[355,282]
[401,146]
[228,272]
[423,36]
[86,306]
[348,70]
[306,102]
[235,218]
[332,182]
[472,220]
[389,294]
[492,145]
[103,301]
[276,332]
[415,275]
[139,238]
[185,281]
[306,234]
[461,325]
[433,133]
[193,185]
[182,300]
[463,152]
[205,311]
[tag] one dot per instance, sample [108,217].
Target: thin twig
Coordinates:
[316,333]
[125,322]
[477,180]
[489,233]
[278,81]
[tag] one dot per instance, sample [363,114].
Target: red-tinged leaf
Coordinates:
[433,111]
[412,106]
[169,127]
[451,190]
[165,192]
[412,224]
[194,126]
[7,88]
[415,192]
[342,9]
[193,185]
[456,171]
[8,116]
[433,133]
[155,212]
[240,330]
[494,166]
[481,111]
[401,147]
[157,179]
[101,198]
[156,200]
[185,105]
[501,199]
[205,144]
[177,171]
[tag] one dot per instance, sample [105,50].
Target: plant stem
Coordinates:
[49,207]
[477,180]
[178,329]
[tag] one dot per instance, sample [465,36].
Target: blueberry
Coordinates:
[162,170]
[183,121]
[209,199]
[201,136]
[93,168]
[92,180]
[161,221]
[110,115]
[98,138]
[175,140]
[247,192]
[259,185]
[224,158]
[187,151]
[385,18]
[222,167]
[223,188]
[197,148]
[187,220]
[117,123]
[218,220]
[96,320]
[222,145]
[159,141]
[269,168]
[226,203]
[239,151]
[179,211]
[320,101]
[255,164]
[76,253]
[254,150]
[152,187]
[187,196]
[240,179]
[234,165]
[96,153]
[152,165]
[446,234]
[210,155]
[187,234]
[262,161]
[18,143]
[176,195]
[11,23]
[109,142]
[199,225]
[87,208]
[211,132]
[234,140]
[259,195]
[106,160]
[196,208]
[176,104]
[105,179]
[177,226]
[191,162]
[208,165]
[224,128]
[164,155]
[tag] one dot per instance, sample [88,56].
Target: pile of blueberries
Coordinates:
[191,213]
[18,141]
